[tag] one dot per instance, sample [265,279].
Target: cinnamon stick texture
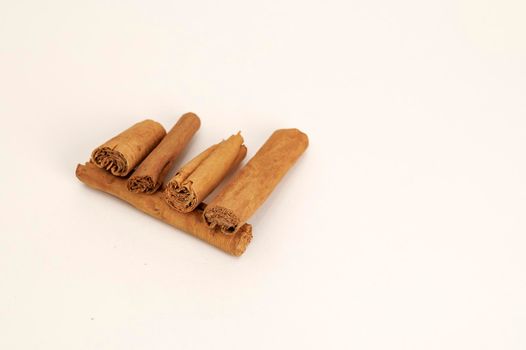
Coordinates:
[149,176]
[251,186]
[155,206]
[199,177]
[121,154]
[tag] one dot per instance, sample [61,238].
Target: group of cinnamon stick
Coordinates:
[133,166]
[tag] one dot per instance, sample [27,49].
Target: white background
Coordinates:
[402,227]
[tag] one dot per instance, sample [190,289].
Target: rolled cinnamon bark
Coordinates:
[149,176]
[198,178]
[190,167]
[251,186]
[121,154]
[154,205]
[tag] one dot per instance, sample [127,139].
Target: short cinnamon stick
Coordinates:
[121,154]
[251,186]
[198,178]
[149,176]
[155,206]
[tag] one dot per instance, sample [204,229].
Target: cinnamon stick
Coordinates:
[149,176]
[121,154]
[198,178]
[154,205]
[251,186]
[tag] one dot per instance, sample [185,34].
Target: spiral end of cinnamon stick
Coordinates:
[111,160]
[223,218]
[181,197]
[142,184]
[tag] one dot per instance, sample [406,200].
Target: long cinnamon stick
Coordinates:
[149,176]
[198,178]
[121,154]
[251,186]
[155,206]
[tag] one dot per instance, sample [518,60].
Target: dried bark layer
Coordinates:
[121,154]
[252,185]
[149,176]
[199,177]
[155,206]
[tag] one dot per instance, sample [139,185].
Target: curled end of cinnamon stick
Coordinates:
[142,184]
[181,197]
[223,218]
[124,152]
[111,160]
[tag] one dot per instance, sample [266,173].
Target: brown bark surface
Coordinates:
[121,154]
[155,206]
[149,176]
[251,186]
[199,177]
[189,167]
